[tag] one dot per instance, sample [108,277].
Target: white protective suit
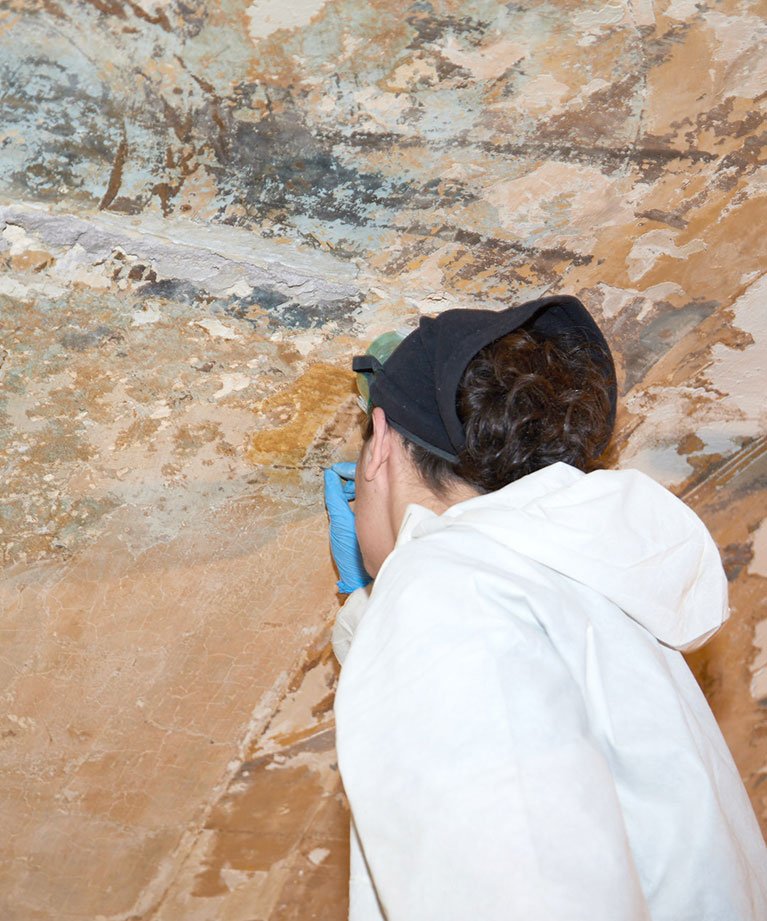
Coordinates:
[518,736]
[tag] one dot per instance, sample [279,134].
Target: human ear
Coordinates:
[378,448]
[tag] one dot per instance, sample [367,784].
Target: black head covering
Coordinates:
[417,386]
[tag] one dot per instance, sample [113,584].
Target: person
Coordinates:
[518,734]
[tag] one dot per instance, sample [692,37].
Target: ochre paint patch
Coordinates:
[303,408]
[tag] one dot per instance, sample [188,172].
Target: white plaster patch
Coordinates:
[145,317]
[13,288]
[546,94]
[728,409]
[152,6]
[162,411]
[463,171]
[381,109]
[268,16]
[235,879]
[350,46]
[610,14]
[667,414]
[741,373]
[435,302]
[648,248]
[543,93]
[10,287]
[91,278]
[643,12]
[593,86]
[722,438]
[318,855]
[661,462]
[18,240]
[216,329]
[303,343]
[739,44]
[486,63]
[758,564]
[325,105]
[239,289]
[231,383]
[589,23]
[759,665]
[664,290]
[734,34]
[681,10]
[615,300]
[77,266]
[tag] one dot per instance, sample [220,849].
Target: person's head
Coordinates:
[472,402]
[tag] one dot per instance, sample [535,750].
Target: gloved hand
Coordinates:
[339,492]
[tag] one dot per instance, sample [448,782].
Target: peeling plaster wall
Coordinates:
[205,208]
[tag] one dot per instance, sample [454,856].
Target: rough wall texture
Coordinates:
[205,207]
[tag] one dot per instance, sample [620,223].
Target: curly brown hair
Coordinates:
[526,401]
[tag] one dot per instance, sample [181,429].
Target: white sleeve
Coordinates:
[463,744]
[363,900]
[347,621]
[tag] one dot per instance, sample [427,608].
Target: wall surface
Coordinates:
[205,209]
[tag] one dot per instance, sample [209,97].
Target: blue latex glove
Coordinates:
[339,492]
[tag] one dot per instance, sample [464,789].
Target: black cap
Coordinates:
[417,386]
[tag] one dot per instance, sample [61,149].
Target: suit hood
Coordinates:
[616,531]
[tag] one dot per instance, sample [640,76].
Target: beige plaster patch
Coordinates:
[759,665]
[560,202]
[682,9]
[739,44]
[488,62]
[648,248]
[380,111]
[740,374]
[268,16]
[216,329]
[542,94]
[410,73]
[758,564]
